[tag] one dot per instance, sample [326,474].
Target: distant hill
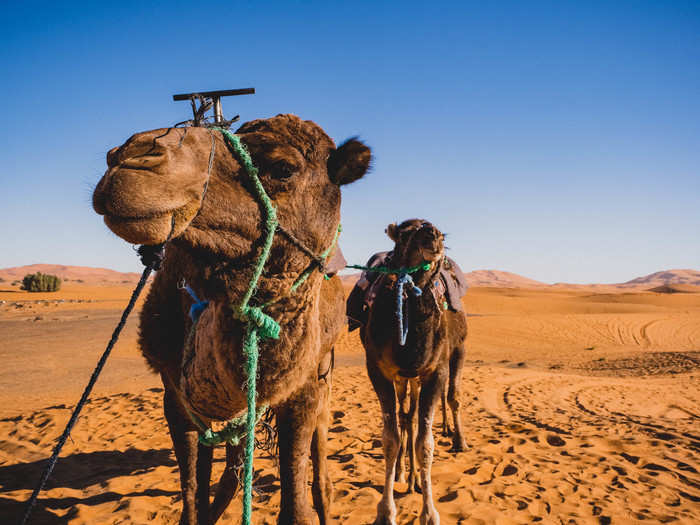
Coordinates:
[686,277]
[494,278]
[675,288]
[71,273]
[679,280]
[500,279]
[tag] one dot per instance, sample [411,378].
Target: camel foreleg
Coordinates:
[431,390]
[296,422]
[413,481]
[386,508]
[193,459]
[322,487]
[401,386]
[229,482]
[459,444]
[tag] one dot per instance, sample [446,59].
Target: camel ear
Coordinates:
[392,231]
[349,162]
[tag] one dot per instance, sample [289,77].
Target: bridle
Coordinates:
[405,278]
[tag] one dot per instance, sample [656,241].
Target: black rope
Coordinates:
[320,262]
[152,257]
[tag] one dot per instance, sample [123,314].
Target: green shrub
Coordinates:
[41,282]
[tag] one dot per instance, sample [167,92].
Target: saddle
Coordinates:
[450,284]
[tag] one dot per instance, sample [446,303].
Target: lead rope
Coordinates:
[402,319]
[259,324]
[151,257]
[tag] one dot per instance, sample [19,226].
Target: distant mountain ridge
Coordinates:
[503,279]
[688,277]
[486,278]
[85,274]
[500,279]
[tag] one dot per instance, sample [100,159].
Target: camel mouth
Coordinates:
[151,228]
[120,219]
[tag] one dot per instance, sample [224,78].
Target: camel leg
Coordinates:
[401,386]
[445,423]
[413,482]
[296,422]
[430,393]
[456,364]
[322,487]
[386,508]
[228,482]
[184,437]
[204,460]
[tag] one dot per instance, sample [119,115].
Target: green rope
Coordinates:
[259,324]
[398,271]
[310,270]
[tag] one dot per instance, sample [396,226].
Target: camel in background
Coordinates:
[414,373]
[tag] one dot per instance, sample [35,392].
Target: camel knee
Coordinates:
[390,440]
[454,402]
[425,445]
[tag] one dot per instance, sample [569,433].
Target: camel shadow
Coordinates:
[77,471]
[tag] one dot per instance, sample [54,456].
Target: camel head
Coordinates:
[154,187]
[416,241]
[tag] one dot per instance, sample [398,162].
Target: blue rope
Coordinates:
[404,278]
[198,307]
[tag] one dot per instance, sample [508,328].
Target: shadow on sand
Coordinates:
[77,471]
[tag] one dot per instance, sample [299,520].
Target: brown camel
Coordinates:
[184,184]
[414,373]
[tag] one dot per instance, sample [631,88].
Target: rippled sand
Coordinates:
[580,407]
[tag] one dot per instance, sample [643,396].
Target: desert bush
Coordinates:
[41,282]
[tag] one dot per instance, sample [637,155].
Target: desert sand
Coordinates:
[581,406]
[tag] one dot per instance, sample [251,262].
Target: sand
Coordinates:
[581,406]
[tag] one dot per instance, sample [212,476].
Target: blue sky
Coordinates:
[558,140]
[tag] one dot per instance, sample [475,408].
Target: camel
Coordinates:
[414,374]
[185,186]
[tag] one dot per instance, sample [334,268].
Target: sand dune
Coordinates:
[691,277]
[85,274]
[581,407]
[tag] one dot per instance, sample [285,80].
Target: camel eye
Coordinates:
[282,169]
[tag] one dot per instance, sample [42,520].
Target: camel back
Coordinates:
[450,283]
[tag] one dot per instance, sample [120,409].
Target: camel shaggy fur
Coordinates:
[185,184]
[414,375]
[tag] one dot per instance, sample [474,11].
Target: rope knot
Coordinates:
[407,279]
[267,327]
[152,255]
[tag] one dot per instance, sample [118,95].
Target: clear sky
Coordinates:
[559,140]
